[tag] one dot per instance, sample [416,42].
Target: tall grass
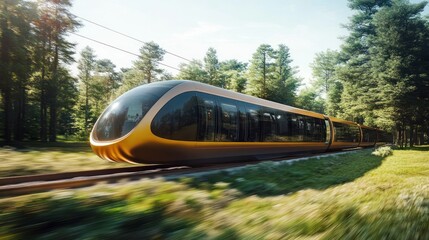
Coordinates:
[41,158]
[352,196]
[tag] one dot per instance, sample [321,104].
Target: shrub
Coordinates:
[382,151]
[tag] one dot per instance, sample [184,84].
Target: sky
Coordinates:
[234,28]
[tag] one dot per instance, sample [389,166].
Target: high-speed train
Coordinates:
[179,121]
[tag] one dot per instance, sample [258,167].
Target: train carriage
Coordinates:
[181,121]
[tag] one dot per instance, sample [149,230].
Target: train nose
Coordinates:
[119,119]
[128,110]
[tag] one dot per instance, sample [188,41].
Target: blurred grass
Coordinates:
[351,196]
[42,158]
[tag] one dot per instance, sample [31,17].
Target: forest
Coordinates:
[379,77]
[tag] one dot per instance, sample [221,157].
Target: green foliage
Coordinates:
[270,75]
[325,67]
[233,73]
[192,71]
[261,71]
[309,99]
[380,77]
[98,82]
[148,63]
[211,65]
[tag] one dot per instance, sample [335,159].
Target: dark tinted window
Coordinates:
[269,129]
[292,127]
[254,130]
[126,112]
[177,120]
[206,117]
[346,132]
[369,135]
[283,126]
[242,122]
[228,121]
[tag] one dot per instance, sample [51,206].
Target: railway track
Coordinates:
[21,185]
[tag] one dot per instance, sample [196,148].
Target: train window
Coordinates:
[206,117]
[228,122]
[297,123]
[346,132]
[253,123]
[269,126]
[177,120]
[369,135]
[283,128]
[309,129]
[127,111]
[242,122]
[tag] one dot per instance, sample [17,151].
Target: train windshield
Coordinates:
[126,111]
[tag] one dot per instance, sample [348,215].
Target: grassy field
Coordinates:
[40,158]
[351,196]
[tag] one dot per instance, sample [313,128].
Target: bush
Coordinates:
[382,151]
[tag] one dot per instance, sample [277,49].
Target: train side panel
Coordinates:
[346,134]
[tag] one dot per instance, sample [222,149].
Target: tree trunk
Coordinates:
[20,114]
[86,107]
[53,118]
[7,107]
[405,136]
[53,104]
[5,76]
[43,108]
[43,117]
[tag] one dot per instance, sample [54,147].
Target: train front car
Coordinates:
[191,122]
[125,124]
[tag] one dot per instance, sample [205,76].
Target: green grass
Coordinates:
[42,158]
[352,196]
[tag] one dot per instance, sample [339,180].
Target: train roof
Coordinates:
[334,119]
[366,127]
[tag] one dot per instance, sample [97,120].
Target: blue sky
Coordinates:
[234,28]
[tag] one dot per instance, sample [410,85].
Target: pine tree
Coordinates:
[86,66]
[327,84]
[401,59]
[285,84]
[150,56]
[261,72]
[16,42]
[233,74]
[192,71]
[211,66]
[53,24]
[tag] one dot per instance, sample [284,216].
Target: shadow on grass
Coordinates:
[270,179]
[100,218]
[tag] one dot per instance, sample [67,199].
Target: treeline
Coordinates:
[37,90]
[379,77]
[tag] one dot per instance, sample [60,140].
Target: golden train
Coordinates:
[187,122]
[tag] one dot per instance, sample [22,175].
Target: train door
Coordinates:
[329,132]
